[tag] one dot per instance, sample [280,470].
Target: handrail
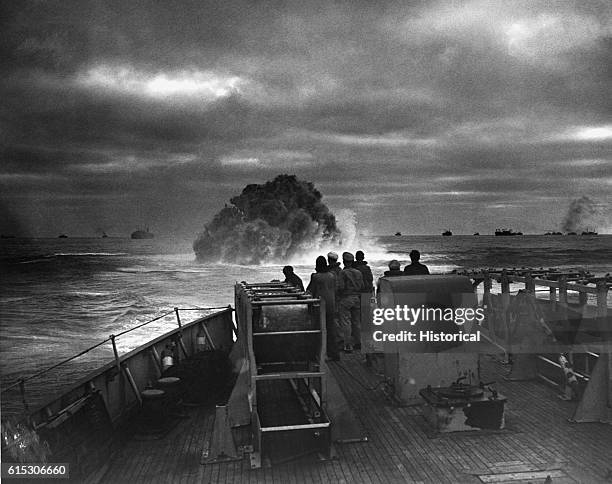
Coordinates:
[532,278]
[201,309]
[162,316]
[22,381]
[543,277]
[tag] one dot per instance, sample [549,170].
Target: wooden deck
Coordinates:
[537,442]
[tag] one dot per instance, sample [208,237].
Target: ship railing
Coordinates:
[112,339]
[558,288]
[557,283]
[592,302]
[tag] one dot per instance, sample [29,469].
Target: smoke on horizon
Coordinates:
[581,215]
[268,222]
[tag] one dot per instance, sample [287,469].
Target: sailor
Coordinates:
[394,269]
[332,263]
[323,284]
[333,267]
[415,268]
[292,278]
[363,267]
[349,285]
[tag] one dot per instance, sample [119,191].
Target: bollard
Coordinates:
[171,385]
[153,411]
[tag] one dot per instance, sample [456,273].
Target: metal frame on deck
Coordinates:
[311,378]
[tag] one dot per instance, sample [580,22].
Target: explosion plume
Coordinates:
[265,222]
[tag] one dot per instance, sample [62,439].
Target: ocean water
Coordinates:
[60,296]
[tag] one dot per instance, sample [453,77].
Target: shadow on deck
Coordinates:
[537,442]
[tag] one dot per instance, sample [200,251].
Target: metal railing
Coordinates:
[502,330]
[20,382]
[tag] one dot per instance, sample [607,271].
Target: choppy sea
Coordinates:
[60,296]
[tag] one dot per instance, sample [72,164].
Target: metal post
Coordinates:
[505,299]
[208,336]
[119,372]
[602,313]
[157,360]
[529,284]
[602,295]
[180,334]
[132,383]
[563,296]
[552,297]
[112,338]
[487,285]
[178,318]
[505,282]
[182,345]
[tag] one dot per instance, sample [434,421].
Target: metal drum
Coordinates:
[171,385]
[153,412]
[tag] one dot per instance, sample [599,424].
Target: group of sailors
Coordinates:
[415,268]
[341,288]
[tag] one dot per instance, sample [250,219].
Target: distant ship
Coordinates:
[447,233]
[62,236]
[142,234]
[507,232]
[104,235]
[398,234]
[476,233]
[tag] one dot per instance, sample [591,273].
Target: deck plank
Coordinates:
[401,447]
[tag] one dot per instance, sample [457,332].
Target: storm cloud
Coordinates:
[434,114]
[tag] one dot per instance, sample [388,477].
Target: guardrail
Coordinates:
[560,284]
[504,317]
[112,339]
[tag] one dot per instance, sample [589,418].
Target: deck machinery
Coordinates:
[282,330]
[445,375]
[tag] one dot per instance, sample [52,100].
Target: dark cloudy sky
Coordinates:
[417,115]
